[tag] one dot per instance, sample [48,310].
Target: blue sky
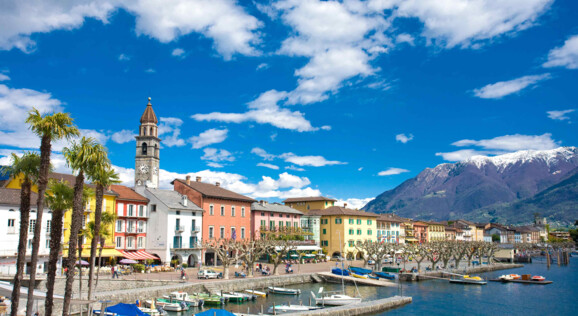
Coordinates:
[289,98]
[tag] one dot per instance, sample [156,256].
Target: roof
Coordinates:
[12,197]
[449,228]
[390,218]
[126,193]
[338,210]
[308,199]
[211,190]
[275,207]
[149,115]
[173,199]
[70,178]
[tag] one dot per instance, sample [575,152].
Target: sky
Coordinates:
[277,99]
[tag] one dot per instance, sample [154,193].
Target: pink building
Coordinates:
[273,218]
[420,229]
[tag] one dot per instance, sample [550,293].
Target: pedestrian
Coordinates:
[183,274]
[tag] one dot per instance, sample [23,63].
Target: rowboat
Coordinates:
[385,275]
[168,305]
[280,309]
[281,290]
[538,278]
[258,293]
[360,270]
[184,297]
[234,297]
[359,276]
[338,271]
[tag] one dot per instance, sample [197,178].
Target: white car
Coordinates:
[209,274]
[371,262]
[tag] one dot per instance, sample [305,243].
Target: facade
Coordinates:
[271,218]
[147,159]
[310,224]
[498,230]
[420,231]
[450,233]
[408,232]
[389,229]
[561,235]
[176,226]
[341,228]
[304,204]
[468,229]
[436,232]
[10,232]
[227,214]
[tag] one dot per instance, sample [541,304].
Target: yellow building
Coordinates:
[436,232]
[107,206]
[304,204]
[345,225]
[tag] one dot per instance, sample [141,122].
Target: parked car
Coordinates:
[370,262]
[209,274]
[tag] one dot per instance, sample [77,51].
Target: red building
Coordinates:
[130,229]
[420,230]
[227,214]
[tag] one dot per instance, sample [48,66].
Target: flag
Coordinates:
[234,236]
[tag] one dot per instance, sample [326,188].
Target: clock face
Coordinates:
[144,169]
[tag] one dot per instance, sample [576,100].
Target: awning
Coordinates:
[138,255]
[302,248]
[107,252]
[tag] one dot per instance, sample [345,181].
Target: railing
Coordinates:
[179,229]
[11,230]
[196,229]
[196,245]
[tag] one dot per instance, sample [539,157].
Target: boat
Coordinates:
[509,277]
[373,277]
[390,269]
[168,305]
[153,311]
[338,271]
[257,293]
[385,275]
[360,270]
[359,276]
[334,298]
[522,281]
[248,297]
[184,297]
[280,309]
[234,297]
[538,278]
[281,290]
[466,279]
[209,299]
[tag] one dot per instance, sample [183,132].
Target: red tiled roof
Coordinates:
[126,193]
[211,190]
[308,199]
[338,210]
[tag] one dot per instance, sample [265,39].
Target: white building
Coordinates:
[175,226]
[10,232]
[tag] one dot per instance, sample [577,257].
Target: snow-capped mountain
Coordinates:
[451,190]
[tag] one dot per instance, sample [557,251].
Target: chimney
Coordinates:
[185,200]
[188,179]
[198,179]
[344,205]
[263,202]
[218,184]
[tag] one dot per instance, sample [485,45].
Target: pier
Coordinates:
[333,278]
[439,274]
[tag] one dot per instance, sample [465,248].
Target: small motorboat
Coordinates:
[359,276]
[360,270]
[373,277]
[338,271]
[281,290]
[538,278]
[385,275]
[184,297]
[169,306]
[234,297]
[209,299]
[280,309]
[257,293]
[335,299]
[466,279]
[509,277]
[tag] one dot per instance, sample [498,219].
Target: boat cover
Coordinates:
[360,270]
[126,310]
[215,312]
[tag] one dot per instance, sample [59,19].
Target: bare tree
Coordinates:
[250,251]
[279,249]
[446,250]
[224,249]
[460,250]
[433,253]
[419,254]
[472,249]
[368,249]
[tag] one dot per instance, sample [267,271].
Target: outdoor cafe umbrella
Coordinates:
[127,261]
[81,262]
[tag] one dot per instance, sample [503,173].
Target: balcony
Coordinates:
[195,229]
[196,245]
[11,230]
[179,229]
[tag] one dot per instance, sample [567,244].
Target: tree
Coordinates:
[368,249]
[460,250]
[279,249]
[224,249]
[27,168]
[80,157]
[434,250]
[59,201]
[108,220]
[496,238]
[446,249]
[251,251]
[102,175]
[49,127]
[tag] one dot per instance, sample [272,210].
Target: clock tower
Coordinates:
[146,169]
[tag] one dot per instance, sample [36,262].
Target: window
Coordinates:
[119,226]
[29,243]
[194,227]
[271,225]
[140,242]
[130,210]
[144,148]
[351,232]
[358,222]
[193,241]
[368,222]
[130,227]
[32,224]
[233,233]
[47,243]
[324,231]
[369,232]
[141,227]
[263,223]
[359,231]
[120,209]
[178,224]
[351,243]
[324,243]
[11,226]
[351,221]
[295,225]
[232,211]
[153,207]
[211,209]
[119,242]
[262,213]
[177,242]
[222,210]
[48,222]
[211,232]
[338,221]
[280,225]
[141,211]
[222,232]
[242,232]
[242,211]
[288,224]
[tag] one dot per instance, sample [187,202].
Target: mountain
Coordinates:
[452,190]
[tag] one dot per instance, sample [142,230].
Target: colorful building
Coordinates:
[389,228]
[341,228]
[304,204]
[436,232]
[420,231]
[274,218]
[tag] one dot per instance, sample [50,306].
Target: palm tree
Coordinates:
[50,127]
[85,232]
[108,220]
[102,176]
[27,166]
[80,157]
[59,201]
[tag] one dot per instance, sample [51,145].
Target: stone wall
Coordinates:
[367,307]
[104,285]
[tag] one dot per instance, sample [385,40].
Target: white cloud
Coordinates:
[100,137]
[215,164]
[353,203]
[392,171]
[208,137]
[503,88]
[123,57]
[360,169]
[232,30]
[262,153]
[150,71]
[262,66]
[460,155]
[170,127]
[564,56]
[268,165]
[217,155]
[294,168]
[403,138]
[560,115]
[123,136]
[4,77]
[405,38]
[178,52]
[313,161]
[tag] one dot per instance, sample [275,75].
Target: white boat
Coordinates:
[152,312]
[184,297]
[284,308]
[282,290]
[258,293]
[334,299]
[169,307]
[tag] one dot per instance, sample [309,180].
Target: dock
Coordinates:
[330,277]
[365,307]
[522,281]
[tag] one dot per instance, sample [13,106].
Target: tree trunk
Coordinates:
[23,239]
[76,224]
[45,148]
[93,244]
[55,243]
[80,267]
[99,261]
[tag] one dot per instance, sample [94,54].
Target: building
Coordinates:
[130,229]
[147,159]
[227,214]
[304,204]
[389,228]
[274,218]
[340,225]
[561,235]
[408,232]
[436,232]
[176,226]
[10,232]
[450,233]
[420,231]
[468,229]
[310,225]
[493,229]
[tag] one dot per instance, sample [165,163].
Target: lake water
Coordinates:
[439,297]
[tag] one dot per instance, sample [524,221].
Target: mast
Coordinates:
[341,259]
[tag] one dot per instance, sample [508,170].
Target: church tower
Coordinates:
[146,169]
